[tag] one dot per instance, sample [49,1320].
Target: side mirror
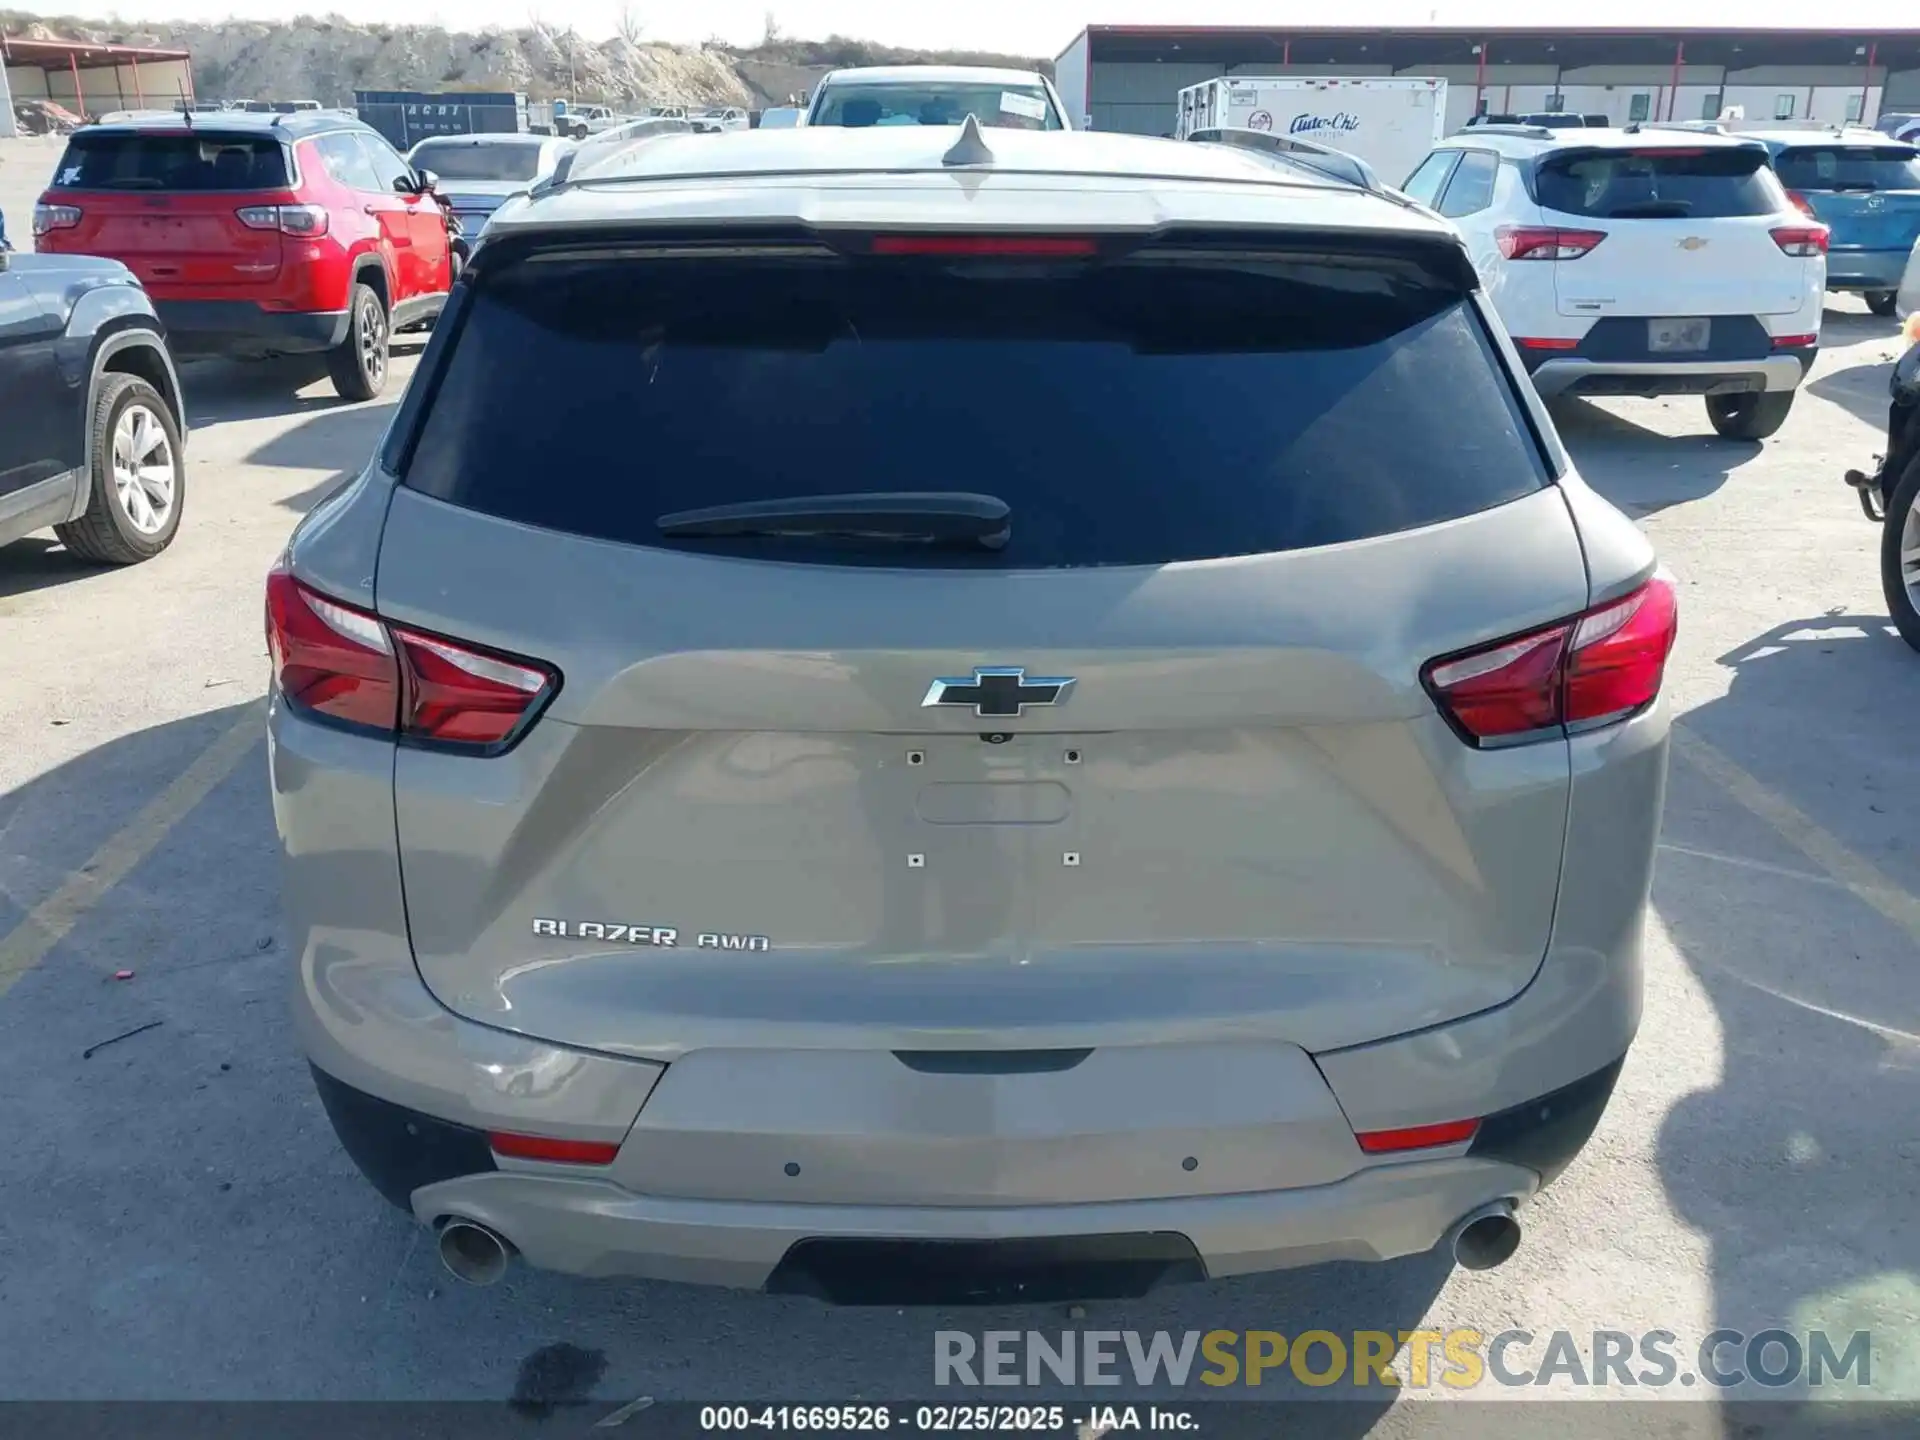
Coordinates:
[428,181]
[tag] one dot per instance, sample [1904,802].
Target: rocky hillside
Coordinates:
[327,59]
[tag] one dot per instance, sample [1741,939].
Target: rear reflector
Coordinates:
[1801,241]
[988,245]
[1794,342]
[1545,242]
[1594,669]
[546,1147]
[1417,1137]
[1546,342]
[347,664]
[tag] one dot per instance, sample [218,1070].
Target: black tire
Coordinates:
[1755,415]
[1881,302]
[359,363]
[111,532]
[1894,537]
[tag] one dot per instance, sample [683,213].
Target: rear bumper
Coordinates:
[243,327]
[1859,270]
[1576,375]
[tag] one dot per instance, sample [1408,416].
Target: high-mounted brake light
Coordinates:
[548,1147]
[984,245]
[349,665]
[1594,669]
[1802,242]
[1417,1137]
[1545,242]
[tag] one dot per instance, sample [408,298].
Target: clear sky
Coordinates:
[1027,27]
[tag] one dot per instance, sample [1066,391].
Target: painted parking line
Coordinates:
[1853,871]
[49,922]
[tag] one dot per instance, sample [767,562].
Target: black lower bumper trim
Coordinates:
[1545,1134]
[398,1149]
[240,327]
[986,1272]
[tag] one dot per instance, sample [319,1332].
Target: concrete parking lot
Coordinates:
[178,1221]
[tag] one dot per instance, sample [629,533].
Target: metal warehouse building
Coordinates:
[1125,77]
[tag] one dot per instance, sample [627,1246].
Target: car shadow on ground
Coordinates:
[1795,1162]
[38,561]
[1642,470]
[337,440]
[212,1224]
[221,391]
[1860,390]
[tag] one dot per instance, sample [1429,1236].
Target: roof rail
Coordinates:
[1322,160]
[605,147]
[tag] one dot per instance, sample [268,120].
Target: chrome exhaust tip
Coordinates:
[1487,1237]
[472,1252]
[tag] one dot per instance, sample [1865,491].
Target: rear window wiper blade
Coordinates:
[922,517]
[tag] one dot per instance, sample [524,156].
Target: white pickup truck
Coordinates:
[580,121]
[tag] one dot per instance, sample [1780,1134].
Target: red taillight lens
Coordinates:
[329,657]
[1545,342]
[1040,246]
[1801,241]
[1417,1137]
[1545,242]
[48,218]
[304,221]
[546,1147]
[1592,670]
[464,696]
[1801,203]
[349,665]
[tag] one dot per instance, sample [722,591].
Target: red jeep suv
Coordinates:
[259,234]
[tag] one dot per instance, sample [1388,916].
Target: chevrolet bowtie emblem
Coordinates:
[1692,242]
[998,690]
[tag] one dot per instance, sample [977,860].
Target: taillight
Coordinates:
[1801,241]
[305,221]
[1594,669]
[1546,342]
[1801,203]
[349,665]
[1545,242]
[331,658]
[47,218]
[1039,246]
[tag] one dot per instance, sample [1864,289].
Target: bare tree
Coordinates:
[627,23]
[771,31]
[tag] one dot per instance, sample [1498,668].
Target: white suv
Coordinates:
[1640,262]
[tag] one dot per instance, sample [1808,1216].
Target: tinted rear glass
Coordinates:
[1021,107]
[460,160]
[1128,413]
[1848,167]
[204,160]
[1659,184]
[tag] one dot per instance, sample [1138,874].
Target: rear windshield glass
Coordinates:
[1129,413]
[1849,167]
[204,160]
[461,160]
[1659,184]
[1020,107]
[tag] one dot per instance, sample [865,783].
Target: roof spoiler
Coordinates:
[605,147]
[1530,132]
[1320,159]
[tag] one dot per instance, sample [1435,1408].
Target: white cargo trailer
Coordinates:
[1389,122]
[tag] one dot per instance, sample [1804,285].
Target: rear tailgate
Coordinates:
[782,798]
[168,204]
[1687,232]
[1869,195]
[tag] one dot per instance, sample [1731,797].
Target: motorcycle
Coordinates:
[1890,495]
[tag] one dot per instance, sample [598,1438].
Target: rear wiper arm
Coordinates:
[911,517]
